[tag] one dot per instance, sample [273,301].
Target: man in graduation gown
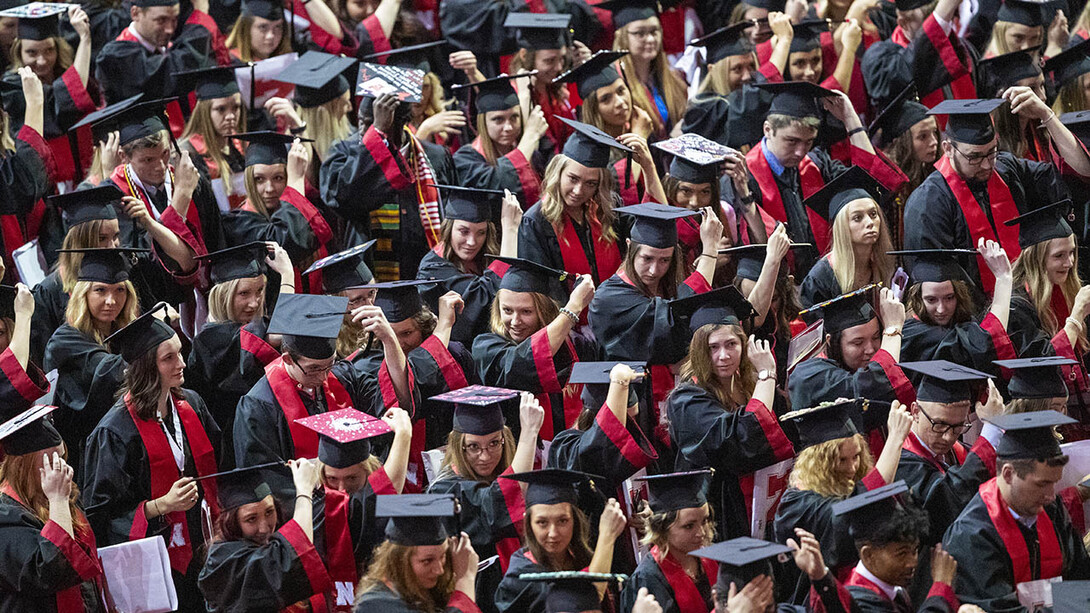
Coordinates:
[1014,530]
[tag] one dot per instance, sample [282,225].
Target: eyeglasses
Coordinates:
[475,449]
[976,159]
[645,32]
[316,371]
[941,427]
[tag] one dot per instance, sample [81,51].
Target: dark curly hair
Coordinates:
[906,524]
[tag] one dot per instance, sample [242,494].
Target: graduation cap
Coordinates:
[478,409]
[936,265]
[1069,64]
[676,491]
[242,486]
[1039,377]
[495,94]
[590,146]
[656,224]
[417,519]
[596,72]
[808,35]
[796,99]
[751,258]
[726,42]
[43,26]
[627,11]
[1023,12]
[106,265]
[820,424]
[528,276]
[844,311]
[552,485]
[344,270]
[742,559]
[273,10]
[1029,436]
[723,305]
[898,117]
[870,510]
[267,147]
[970,120]
[88,204]
[142,335]
[1043,224]
[318,77]
[1078,122]
[343,435]
[1003,71]
[908,5]
[535,31]
[696,158]
[132,121]
[101,120]
[375,80]
[946,382]
[1070,596]
[572,590]
[849,186]
[240,262]
[595,379]
[470,204]
[399,300]
[211,83]
[415,57]
[309,323]
[29,432]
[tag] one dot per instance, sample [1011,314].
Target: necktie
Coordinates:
[901,603]
[160,200]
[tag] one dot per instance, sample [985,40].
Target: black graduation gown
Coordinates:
[819,285]
[19,387]
[244,576]
[25,178]
[288,226]
[40,561]
[606,449]
[512,171]
[1024,323]
[970,344]
[124,68]
[538,242]
[478,27]
[734,443]
[519,596]
[382,599]
[106,23]
[649,574]
[477,292]
[866,600]
[821,379]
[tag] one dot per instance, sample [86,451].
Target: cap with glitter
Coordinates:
[343,435]
[478,409]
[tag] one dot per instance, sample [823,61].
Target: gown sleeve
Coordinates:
[538,241]
[490,511]
[819,285]
[617,451]
[944,494]
[477,292]
[512,172]
[527,366]
[519,596]
[356,180]
[820,379]
[296,226]
[40,560]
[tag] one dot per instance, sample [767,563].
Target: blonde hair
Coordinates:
[200,123]
[599,208]
[324,126]
[78,315]
[1072,97]
[815,468]
[239,39]
[997,44]
[392,565]
[80,236]
[698,367]
[488,146]
[20,472]
[435,103]
[842,257]
[656,527]
[65,55]
[672,89]
[717,81]
[252,195]
[446,232]
[1029,272]
[455,462]
[221,300]
[547,311]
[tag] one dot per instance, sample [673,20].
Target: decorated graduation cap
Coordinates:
[537,31]
[1029,436]
[970,120]
[808,35]
[898,117]
[239,262]
[594,73]
[797,99]
[399,300]
[572,590]
[240,486]
[868,511]
[726,42]
[266,147]
[742,559]
[849,186]
[676,491]
[1070,596]
[627,11]
[1070,64]
[1003,71]
[142,335]
[211,83]
[273,10]
[29,432]
[594,376]
[696,158]
[417,519]
[1022,12]
[43,26]
[470,204]
[844,311]
[102,121]
[946,382]
[656,224]
[552,485]
[1043,224]
[816,425]
[106,265]
[497,93]
[414,57]
[318,77]
[343,270]
[310,324]
[937,265]
[529,276]
[723,305]
[343,435]
[1039,377]
[478,409]
[88,204]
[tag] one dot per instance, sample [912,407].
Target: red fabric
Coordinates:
[913,445]
[686,594]
[318,224]
[334,43]
[873,480]
[697,283]
[516,510]
[770,425]
[188,229]
[1072,501]
[20,379]
[857,580]
[902,387]
[339,557]
[219,41]
[31,137]
[528,179]
[392,165]
[636,190]
[555,108]
[630,449]
[257,347]
[550,383]
[79,94]
[983,449]
[380,482]
[286,391]
[673,33]
[453,375]
[1049,544]
[308,557]
[943,44]
[379,42]
[810,180]
[1076,379]
[879,166]
[164,472]
[463,603]
[197,142]
[1004,348]
[606,254]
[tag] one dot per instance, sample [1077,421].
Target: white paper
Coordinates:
[30,262]
[138,576]
[47,398]
[769,485]
[1078,467]
[633,493]
[265,73]
[1036,595]
[432,459]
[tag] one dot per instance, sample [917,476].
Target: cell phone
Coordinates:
[899,283]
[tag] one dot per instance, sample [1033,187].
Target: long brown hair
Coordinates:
[674,276]
[598,209]
[488,146]
[455,462]
[1072,96]
[392,566]
[963,312]
[579,548]
[672,89]
[227,528]
[1029,272]
[21,473]
[65,55]
[446,232]
[698,368]
[200,123]
[239,39]
[815,468]
[143,386]
[902,152]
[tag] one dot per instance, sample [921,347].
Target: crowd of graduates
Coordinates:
[546,306]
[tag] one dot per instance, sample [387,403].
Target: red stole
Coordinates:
[1058,304]
[257,347]
[192,217]
[686,594]
[914,446]
[164,471]
[339,557]
[285,389]
[572,403]
[606,254]
[810,181]
[1015,544]
[1003,209]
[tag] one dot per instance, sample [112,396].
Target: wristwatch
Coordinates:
[892,331]
[764,374]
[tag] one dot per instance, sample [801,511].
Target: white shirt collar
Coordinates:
[1028,522]
[144,42]
[889,590]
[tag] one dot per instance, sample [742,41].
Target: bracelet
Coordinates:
[618,382]
[157,511]
[705,255]
[304,496]
[287,285]
[1053,116]
[1078,324]
[299,130]
[570,315]
[856,131]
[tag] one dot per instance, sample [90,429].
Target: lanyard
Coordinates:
[175,440]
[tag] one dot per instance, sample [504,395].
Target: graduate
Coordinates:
[254,561]
[1038,382]
[323,100]
[1067,71]
[421,566]
[21,379]
[532,344]
[347,275]
[49,559]
[1014,530]
[543,46]
[220,113]
[1018,25]
[260,32]
[582,591]
[723,413]
[143,457]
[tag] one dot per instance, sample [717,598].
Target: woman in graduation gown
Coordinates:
[458,261]
[909,137]
[542,44]
[216,117]
[260,32]
[48,557]
[677,521]
[480,450]
[723,414]
[142,459]
[21,380]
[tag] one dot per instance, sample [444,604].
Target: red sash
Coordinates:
[810,181]
[286,391]
[606,254]
[193,235]
[1003,209]
[339,557]
[1015,544]
[572,403]
[164,471]
[257,347]
[914,446]
[686,594]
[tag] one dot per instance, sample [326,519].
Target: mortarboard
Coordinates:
[676,491]
[375,80]
[210,83]
[595,379]
[844,311]
[343,435]
[1070,596]
[536,31]
[742,559]
[808,35]
[937,265]
[43,26]
[898,117]
[726,42]
[655,224]
[1022,12]
[552,485]
[497,93]
[29,432]
[869,510]
[820,424]
[723,305]
[142,335]
[1003,71]
[310,323]
[1039,377]
[1029,436]
[529,276]
[240,262]
[946,382]
[267,147]
[696,159]
[101,121]
[572,590]
[242,486]
[417,519]
[1079,124]
[135,121]
[1043,224]
[106,265]
[345,269]
[414,57]
[591,147]
[796,99]
[318,77]
[470,204]
[399,300]
[627,11]
[596,72]
[850,185]
[970,120]
[273,10]
[478,409]
[1069,64]
[88,204]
